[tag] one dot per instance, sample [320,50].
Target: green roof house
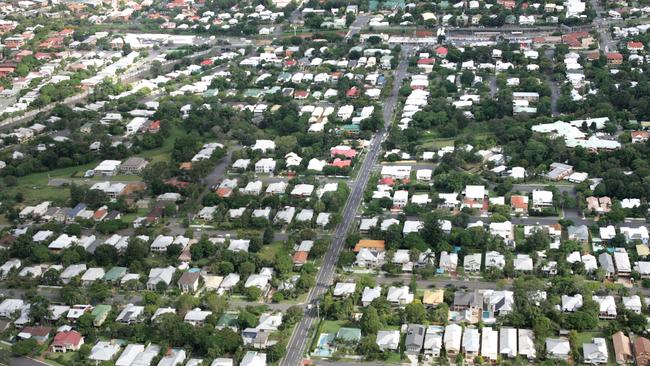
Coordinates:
[99,314]
[114,274]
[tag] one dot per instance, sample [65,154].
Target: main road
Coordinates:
[300,337]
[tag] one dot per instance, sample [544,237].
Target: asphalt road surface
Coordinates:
[324,279]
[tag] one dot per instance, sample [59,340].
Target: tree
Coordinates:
[227,340]
[156,68]
[253,293]
[370,322]
[25,347]
[105,255]
[267,237]
[415,312]
[39,309]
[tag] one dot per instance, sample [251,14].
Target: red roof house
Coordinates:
[442,52]
[339,163]
[67,341]
[353,92]
[635,46]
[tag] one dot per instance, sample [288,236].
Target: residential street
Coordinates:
[300,336]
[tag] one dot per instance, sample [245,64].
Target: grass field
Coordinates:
[35,188]
[269,252]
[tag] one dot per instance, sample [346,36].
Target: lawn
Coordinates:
[35,188]
[163,153]
[269,252]
[331,326]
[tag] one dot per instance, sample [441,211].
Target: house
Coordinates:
[622,262]
[39,334]
[133,166]
[189,281]
[578,233]
[642,351]
[196,316]
[100,313]
[414,338]
[388,340]
[92,275]
[72,271]
[131,314]
[489,344]
[527,344]
[607,264]
[622,348]
[369,294]
[253,358]
[595,352]
[344,289]
[474,197]
[471,343]
[173,357]
[433,298]
[519,204]
[399,295]
[508,342]
[607,306]
[558,348]
[67,341]
[523,263]
[504,230]
[107,168]
[472,263]
[452,339]
[160,275]
[265,165]
[542,199]
[264,146]
[494,259]
[433,341]
[632,303]
[400,198]
[104,351]
[599,204]
[571,303]
[448,262]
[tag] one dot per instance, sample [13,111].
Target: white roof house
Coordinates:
[104,351]
[527,343]
[253,358]
[523,262]
[399,295]
[388,339]
[595,352]
[196,316]
[472,262]
[508,342]
[344,289]
[93,274]
[452,338]
[9,306]
[62,242]
[475,192]
[471,343]
[494,259]
[571,303]
[157,275]
[72,271]
[369,294]
[489,343]
[558,348]
[264,145]
[632,303]
[607,306]
[257,280]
